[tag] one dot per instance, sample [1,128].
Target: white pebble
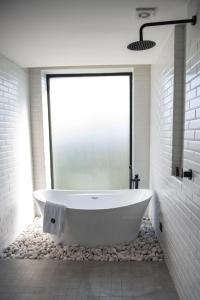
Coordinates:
[34,244]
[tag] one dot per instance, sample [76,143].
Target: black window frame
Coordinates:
[49,76]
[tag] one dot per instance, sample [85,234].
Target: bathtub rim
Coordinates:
[150,195]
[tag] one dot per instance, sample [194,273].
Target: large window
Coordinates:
[90,130]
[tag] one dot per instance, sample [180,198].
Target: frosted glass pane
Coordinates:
[90,132]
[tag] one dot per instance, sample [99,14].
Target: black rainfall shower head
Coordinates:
[145,44]
[141,45]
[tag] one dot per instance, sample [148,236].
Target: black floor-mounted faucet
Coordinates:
[134,182]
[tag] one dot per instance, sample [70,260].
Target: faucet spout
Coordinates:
[136,181]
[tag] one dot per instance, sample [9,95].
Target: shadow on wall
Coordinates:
[155,213]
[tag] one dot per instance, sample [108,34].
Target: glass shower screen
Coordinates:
[90,131]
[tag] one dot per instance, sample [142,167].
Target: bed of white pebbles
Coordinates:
[34,244]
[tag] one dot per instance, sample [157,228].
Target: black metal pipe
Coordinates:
[131,182]
[192,21]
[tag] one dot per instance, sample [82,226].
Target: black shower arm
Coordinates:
[192,21]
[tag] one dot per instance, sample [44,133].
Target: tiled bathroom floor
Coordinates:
[28,279]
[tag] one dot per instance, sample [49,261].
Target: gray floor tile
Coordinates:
[24,279]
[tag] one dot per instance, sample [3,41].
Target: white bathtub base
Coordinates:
[102,219]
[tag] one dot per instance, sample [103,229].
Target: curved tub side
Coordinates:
[99,227]
[108,227]
[40,199]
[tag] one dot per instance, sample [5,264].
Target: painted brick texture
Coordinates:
[141,125]
[177,203]
[37,133]
[16,208]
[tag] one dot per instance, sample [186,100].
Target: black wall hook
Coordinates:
[188,174]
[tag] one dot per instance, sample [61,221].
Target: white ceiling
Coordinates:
[45,33]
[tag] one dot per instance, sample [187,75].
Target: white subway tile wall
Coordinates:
[37,133]
[141,123]
[16,204]
[177,203]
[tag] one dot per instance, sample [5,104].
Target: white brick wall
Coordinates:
[16,205]
[37,134]
[176,203]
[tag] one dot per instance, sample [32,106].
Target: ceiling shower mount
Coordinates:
[147,44]
[145,12]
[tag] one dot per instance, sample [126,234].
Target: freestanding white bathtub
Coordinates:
[98,217]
